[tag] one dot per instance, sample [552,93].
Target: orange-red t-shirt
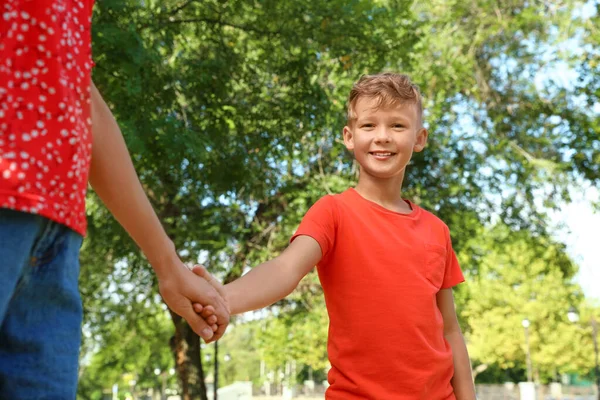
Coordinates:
[380,272]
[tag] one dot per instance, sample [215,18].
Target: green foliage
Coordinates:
[519,277]
[299,326]
[127,348]
[239,359]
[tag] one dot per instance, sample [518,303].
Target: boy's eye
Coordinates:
[367,125]
[398,126]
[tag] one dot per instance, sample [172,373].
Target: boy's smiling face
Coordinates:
[383,139]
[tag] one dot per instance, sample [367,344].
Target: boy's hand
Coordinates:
[180,288]
[207,312]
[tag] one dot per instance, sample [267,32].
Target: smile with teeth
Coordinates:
[382,155]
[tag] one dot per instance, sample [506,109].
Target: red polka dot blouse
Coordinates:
[45,124]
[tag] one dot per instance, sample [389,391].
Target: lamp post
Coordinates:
[526,324]
[216,369]
[208,359]
[574,317]
[227,357]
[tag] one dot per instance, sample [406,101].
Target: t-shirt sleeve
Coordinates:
[452,274]
[320,224]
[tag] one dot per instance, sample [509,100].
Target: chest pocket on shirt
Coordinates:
[435,263]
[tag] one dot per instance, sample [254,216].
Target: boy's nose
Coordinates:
[382,135]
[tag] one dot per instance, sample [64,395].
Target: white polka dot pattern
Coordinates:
[45,121]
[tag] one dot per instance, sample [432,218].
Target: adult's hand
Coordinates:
[180,287]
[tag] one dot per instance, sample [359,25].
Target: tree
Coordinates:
[299,325]
[232,112]
[128,346]
[215,101]
[519,276]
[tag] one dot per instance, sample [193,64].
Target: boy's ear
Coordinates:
[348,138]
[421,141]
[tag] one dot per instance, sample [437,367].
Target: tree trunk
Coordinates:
[185,346]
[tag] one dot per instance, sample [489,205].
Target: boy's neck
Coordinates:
[385,192]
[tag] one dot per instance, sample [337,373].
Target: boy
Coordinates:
[50,113]
[386,265]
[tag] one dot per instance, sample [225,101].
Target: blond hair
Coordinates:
[390,89]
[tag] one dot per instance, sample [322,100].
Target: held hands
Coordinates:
[180,288]
[208,312]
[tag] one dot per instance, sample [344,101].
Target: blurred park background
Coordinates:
[233,112]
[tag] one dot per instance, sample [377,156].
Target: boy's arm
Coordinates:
[114,179]
[462,382]
[270,281]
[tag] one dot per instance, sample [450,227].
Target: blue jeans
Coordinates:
[40,308]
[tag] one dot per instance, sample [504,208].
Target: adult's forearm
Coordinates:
[462,382]
[114,179]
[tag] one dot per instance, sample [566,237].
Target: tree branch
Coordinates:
[222,23]
[181,7]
